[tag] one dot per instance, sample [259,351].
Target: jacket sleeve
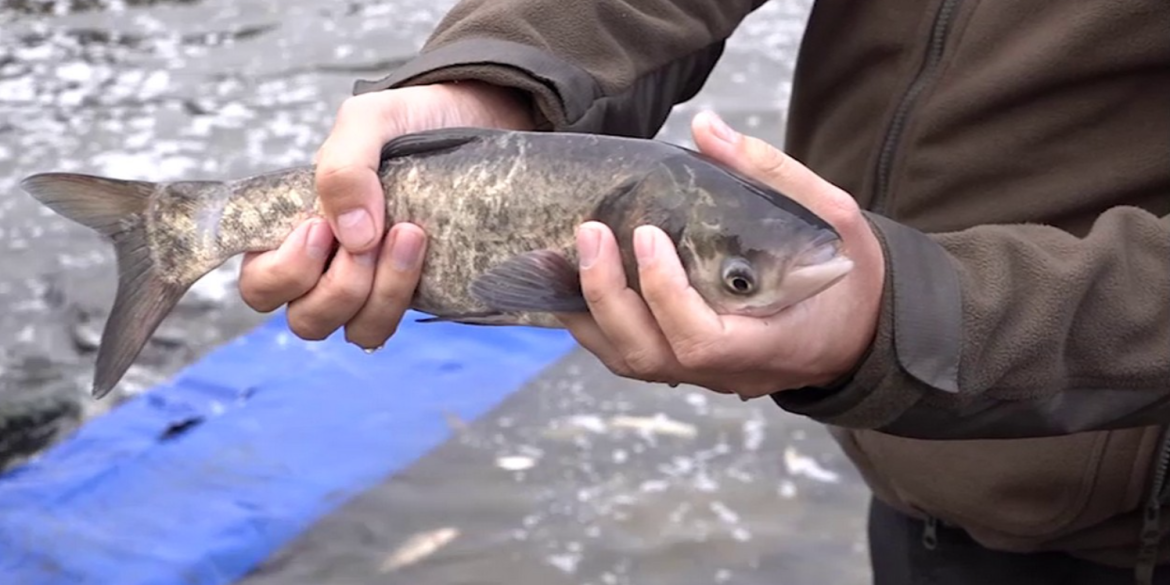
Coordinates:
[1010,331]
[605,66]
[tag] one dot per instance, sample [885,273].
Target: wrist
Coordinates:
[864,292]
[491,105]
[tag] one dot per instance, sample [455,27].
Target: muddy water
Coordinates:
[208,89]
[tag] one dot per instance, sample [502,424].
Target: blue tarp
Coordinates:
[201,479]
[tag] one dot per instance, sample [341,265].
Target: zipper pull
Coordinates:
[930,533]
[1151,534]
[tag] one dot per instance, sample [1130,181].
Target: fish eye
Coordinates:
[739,277]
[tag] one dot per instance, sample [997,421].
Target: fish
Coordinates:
[418,547]
[500,209]
[658,424]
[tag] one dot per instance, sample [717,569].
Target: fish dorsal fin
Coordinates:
[432,141]
[541,281]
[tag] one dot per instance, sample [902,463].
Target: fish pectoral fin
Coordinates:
[541,281]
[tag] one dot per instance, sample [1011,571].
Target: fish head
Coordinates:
[750,250]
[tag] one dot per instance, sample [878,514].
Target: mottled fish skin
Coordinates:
[194,227]
[502,197]
[500,210]
[481,204]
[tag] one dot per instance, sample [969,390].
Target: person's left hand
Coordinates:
[673,336]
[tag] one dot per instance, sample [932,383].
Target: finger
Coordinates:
[336,298]
[749,155]
[695,332]
[395,279]
[618,310]
[589,335]
[271,279]
[346,173]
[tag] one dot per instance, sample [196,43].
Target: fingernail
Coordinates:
[644,245]
[319,241]
[588,245]
[356,228]
[721,130]
[405,249]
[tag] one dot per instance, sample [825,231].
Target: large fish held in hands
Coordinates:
[500,209]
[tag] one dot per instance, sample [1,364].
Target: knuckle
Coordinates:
[644,363]
[841,211]
[394,292]
[695,359]
[355,106]
[267,291]
[307,327]
[301,281]
[345,291]
[767,159]
[352,291]
[699,356]
[390,307]
[334,179]
[620,368]
[286,277]
[595,296]
[258,297]
[258,302]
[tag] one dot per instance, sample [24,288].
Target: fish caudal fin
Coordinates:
[142,302]
[116,209]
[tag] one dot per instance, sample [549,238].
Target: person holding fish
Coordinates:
[1000,177]
[963,269]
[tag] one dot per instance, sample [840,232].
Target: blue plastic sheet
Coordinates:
[199,480]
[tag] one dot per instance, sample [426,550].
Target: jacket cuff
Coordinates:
[918,343]
[561,91]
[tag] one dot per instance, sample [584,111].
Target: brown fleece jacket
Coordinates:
[1014,160]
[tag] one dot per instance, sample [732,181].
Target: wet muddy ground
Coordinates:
[208,89]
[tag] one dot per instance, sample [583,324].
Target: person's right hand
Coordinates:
[370,280]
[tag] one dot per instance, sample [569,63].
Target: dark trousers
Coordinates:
[899,557]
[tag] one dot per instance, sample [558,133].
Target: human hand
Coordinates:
[371,278]
[669,333]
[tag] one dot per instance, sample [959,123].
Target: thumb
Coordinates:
[751,156]
[757,159]
[347,183]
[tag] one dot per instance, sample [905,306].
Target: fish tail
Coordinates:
[118,210]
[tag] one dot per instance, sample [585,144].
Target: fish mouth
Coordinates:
[825,250]
[809,280]
[759,311]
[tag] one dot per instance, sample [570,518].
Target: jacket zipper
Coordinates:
[1151,521]
[934,51]
[925,75]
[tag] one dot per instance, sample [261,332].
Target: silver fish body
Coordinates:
[500,209]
